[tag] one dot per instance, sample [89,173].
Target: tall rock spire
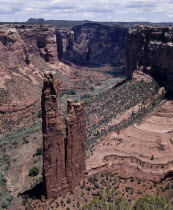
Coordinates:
[54,174]
[63,159]
[75,143]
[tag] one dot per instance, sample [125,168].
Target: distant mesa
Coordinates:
[35,20]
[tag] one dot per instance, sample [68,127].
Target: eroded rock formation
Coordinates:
[63,159]
[25,53]
[75,143]
[150,48]
[18,43]
[92,43]
[53,139]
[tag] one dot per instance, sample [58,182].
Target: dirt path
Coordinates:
[17,173]
[24,172]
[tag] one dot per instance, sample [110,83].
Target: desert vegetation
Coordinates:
[103,191]
[116,101]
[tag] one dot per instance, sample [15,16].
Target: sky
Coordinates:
[102,10]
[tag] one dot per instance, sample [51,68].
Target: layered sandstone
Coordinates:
[18,43]
[26,51]
[92,43]
[53,139]
[75,143]
[63,159]
[142,151]
[150,48]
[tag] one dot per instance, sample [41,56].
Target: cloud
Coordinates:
[137,4]
[88,15]
[126,10]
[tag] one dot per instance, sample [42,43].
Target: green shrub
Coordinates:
[68,92]
[88,101]
[85,96]
[5,204]
[39,151]
[34,171]
[83,185]
[92,88]
[2,178]
[104,201]
[152,157]
[98,84]
[6,201]
[76,101]
[151,202]
[68,200]
[39,114]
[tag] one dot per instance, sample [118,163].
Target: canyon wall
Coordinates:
[150,48]
[63,158]
[18,43]
[26,51]
[92,43]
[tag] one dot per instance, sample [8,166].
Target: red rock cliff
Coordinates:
[92,43]
[63,160]
[151,48]
[25,53]
[75,143]
[18,43]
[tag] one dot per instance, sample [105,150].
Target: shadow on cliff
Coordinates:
[85,63]
[36,192]
[95,67]
[169,95]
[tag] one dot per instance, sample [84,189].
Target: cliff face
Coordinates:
[25,53]
[92,44]
[150,48]
[63,159]
[75,143]
[41,41]
[19,43]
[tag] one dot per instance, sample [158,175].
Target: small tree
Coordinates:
[68,200]
[39,114]
[152,157]
[151,202]
[34,171]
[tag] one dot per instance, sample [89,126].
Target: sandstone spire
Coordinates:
[63,159]
[75,143]
[54,174]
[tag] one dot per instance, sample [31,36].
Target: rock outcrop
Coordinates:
[92,43]
[25,53]
[18,43]
[63,158]
[53,139]
[150,48]
[75,143]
